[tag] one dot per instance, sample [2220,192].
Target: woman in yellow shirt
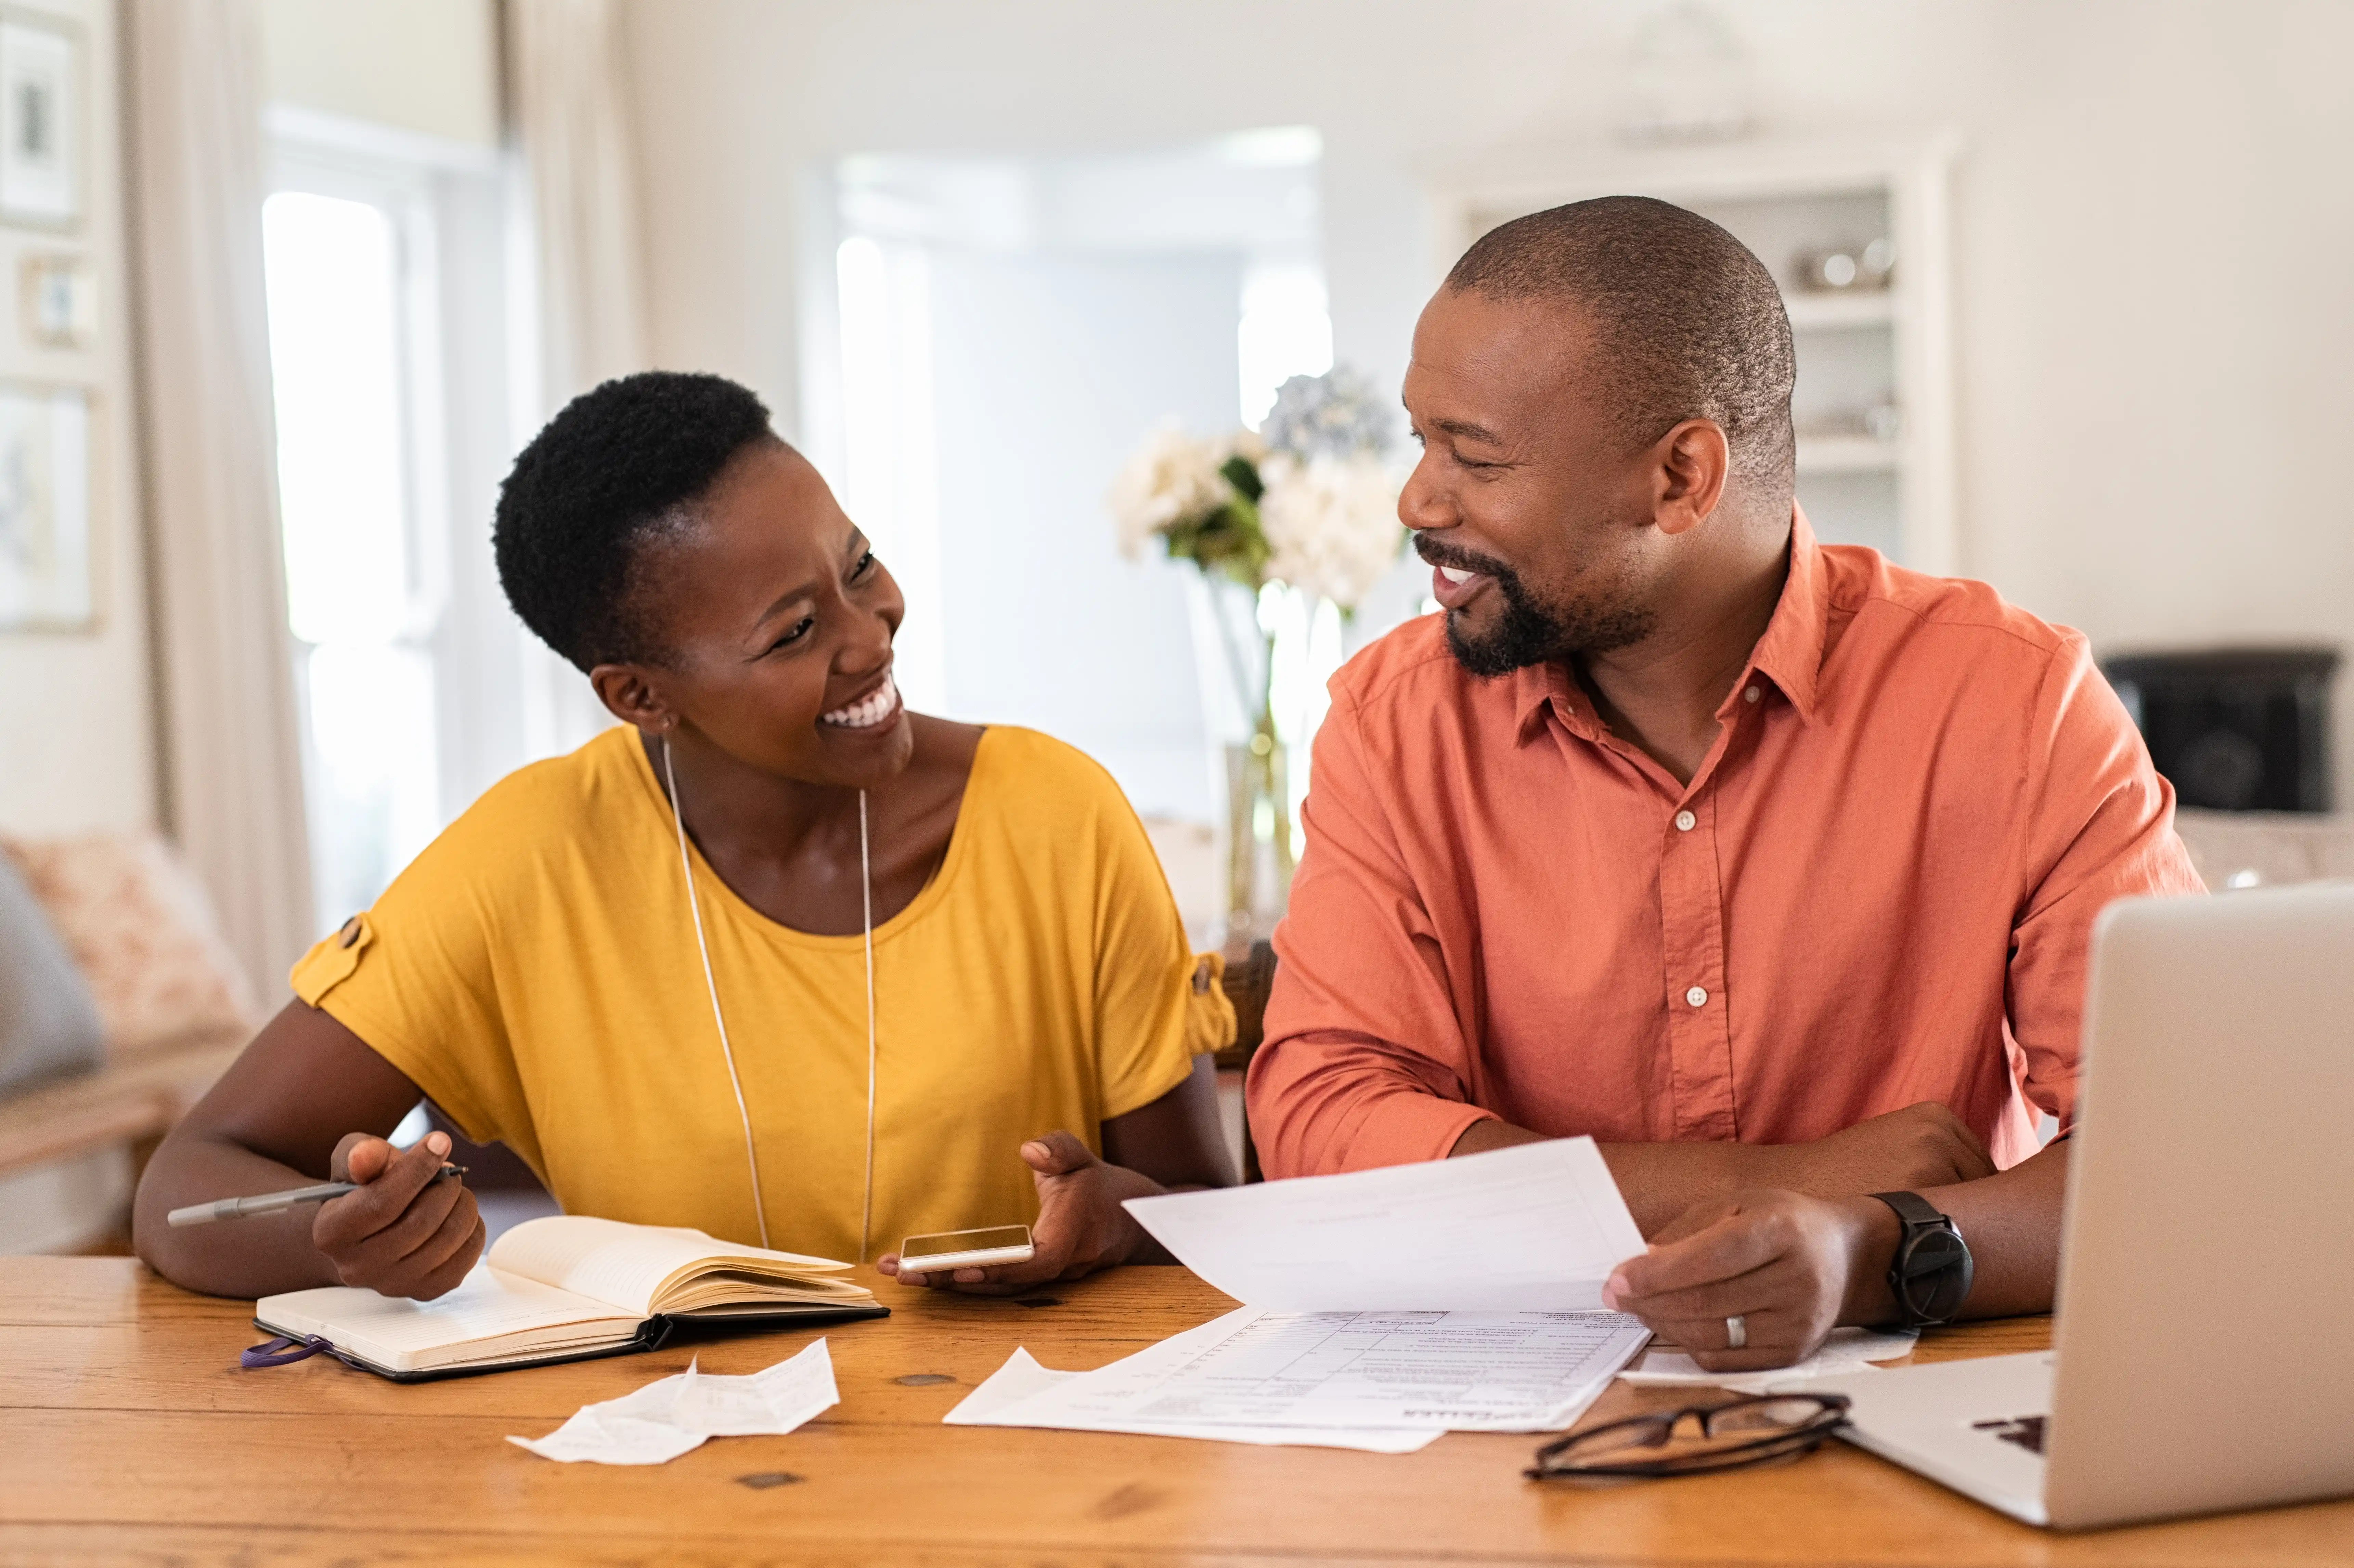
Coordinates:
[777,959]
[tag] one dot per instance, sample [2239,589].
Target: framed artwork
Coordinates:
[40,122]
[46,578]
[58,301]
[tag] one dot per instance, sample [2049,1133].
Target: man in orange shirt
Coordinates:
[1767,864]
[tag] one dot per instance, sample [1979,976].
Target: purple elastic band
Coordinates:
[283,1351]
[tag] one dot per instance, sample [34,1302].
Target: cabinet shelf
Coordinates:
[1860,308]
[1858,349]
[1848,454]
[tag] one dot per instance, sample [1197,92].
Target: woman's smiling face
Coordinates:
[775,621]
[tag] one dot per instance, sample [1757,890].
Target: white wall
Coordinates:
[1033,420]
[79,748]
[2152,221]
[427,66]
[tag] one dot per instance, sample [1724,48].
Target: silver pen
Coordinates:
[273,1203]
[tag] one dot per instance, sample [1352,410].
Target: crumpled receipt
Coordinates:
[673,1415]
[1847,1351]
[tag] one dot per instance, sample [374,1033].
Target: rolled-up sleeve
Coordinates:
[1365,1062]
[2098,826]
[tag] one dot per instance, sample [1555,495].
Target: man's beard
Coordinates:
[1530,631]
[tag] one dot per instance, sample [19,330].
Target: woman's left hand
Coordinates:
[1081,1227]
[1790,1267]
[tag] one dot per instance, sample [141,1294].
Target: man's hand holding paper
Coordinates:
[1383,1307]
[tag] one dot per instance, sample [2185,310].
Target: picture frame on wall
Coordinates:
[46,580]
[57,300]
[40,121]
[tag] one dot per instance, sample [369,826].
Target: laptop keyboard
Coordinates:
[2027,1431]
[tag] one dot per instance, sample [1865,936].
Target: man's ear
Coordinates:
[1693,462]
[628,694]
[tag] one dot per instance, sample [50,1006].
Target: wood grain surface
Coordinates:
[129,1435]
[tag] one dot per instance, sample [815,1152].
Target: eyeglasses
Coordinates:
[1699,1440]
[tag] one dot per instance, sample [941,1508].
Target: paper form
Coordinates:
[1022,1376]
[1353,1372]
[1535,1228]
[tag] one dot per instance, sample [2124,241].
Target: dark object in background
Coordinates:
[2234,729]
[489,1167]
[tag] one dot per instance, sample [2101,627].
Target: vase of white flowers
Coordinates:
[1306,506]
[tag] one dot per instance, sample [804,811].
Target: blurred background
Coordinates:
[294,279]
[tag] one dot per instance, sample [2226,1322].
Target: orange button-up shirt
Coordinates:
[1877,890]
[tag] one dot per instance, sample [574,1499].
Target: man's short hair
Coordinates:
[1688,323]
[612,469]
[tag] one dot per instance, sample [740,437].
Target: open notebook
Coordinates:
[565,1289]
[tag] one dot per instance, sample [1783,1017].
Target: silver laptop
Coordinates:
[2204,1342]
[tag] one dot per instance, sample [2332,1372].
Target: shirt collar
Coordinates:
[1789,655]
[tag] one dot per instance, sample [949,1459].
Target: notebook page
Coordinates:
[394,1331]
[627,1265]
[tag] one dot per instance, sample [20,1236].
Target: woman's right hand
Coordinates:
[403,1232]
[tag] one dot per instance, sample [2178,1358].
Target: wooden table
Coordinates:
[128,1434]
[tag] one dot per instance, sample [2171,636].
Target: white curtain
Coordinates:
[572,119]
[568,89]
[231,740]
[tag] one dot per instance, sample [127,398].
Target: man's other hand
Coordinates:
[1923,1145]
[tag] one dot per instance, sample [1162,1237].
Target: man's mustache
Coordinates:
[1438,555]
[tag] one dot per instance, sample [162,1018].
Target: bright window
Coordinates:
[361,618]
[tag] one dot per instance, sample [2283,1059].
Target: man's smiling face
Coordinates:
[1527,500]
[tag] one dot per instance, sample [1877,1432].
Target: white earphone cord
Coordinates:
[720,1021]
[866,894]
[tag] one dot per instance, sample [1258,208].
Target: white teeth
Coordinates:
[1455,574]
[869,710]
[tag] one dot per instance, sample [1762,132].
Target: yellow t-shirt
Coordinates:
[535,972]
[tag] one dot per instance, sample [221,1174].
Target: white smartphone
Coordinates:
[965,1249]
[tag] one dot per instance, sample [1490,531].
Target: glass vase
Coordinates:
[1259,857]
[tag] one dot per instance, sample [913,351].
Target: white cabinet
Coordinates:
[1873,404]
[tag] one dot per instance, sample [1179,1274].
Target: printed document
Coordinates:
[1535,1228]
[1384,1308]
[1022,1376]
[1363,1371]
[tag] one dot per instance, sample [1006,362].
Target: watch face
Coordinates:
[1936,1275]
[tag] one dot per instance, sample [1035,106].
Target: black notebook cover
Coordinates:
[653,1335]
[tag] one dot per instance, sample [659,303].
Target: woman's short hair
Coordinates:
[619,465]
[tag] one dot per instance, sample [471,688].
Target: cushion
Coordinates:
[141,932]
[48,1024]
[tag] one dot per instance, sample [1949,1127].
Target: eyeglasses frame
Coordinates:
[1831,1417]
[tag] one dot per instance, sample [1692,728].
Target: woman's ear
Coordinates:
[631,697]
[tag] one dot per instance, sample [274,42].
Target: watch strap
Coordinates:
[1931,1273]
[1912,1209]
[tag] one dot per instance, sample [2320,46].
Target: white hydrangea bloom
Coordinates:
[1331,524]
[1170,478]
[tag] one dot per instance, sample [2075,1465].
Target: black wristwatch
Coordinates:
[1931,1275]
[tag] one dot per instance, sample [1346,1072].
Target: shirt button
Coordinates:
[1752,695]
[1685,821]
[1697,996]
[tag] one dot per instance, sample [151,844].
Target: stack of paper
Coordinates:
[1386,1306]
